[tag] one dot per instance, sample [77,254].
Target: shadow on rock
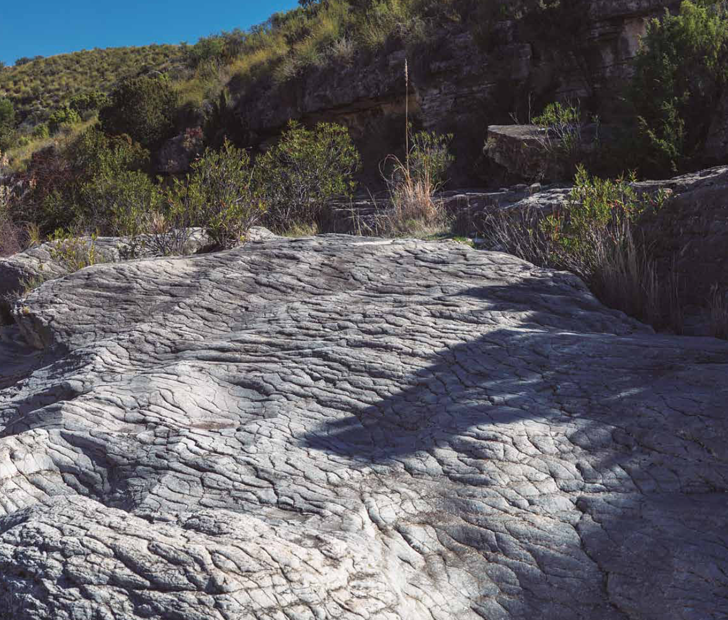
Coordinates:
[573,474]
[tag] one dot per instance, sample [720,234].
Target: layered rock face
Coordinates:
[690,234]
[461,85]
[345,428]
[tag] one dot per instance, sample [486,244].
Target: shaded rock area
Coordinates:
[539,154]
[524,151]
[466,208]
[690,234]
[339,427]
[178,153]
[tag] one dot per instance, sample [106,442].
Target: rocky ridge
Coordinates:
[459,84]
[339,427]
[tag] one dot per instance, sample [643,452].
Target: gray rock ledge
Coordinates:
[346,428]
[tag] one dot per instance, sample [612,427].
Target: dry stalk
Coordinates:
[718,308]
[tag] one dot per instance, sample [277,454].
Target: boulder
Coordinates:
[178,153]
[526,151]
[536,153]
[347,428]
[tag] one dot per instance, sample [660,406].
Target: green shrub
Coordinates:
[93,152]
[118,202]
[412,185]
[219,195]
[10,241]
[61,118]
[305,171]
[69,185]
[430,157]
[595,207]
[112,190]
[89,101]
[41,132]
[223,47]
[7,115]
[143,108]
[556,115]
[594,236]
[680,72]
[563,139]
[73,251]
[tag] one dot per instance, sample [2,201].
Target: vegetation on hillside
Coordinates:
[334,32]
[37,87]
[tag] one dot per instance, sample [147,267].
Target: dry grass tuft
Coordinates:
[414,210]
[618,268]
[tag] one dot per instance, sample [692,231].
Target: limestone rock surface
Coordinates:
[41,263]
[349,428]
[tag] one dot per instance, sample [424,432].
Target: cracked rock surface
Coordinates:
[350,428]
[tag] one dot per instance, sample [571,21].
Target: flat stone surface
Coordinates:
[40,263]
[337,427]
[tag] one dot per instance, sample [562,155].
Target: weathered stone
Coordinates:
[526,151]
[536,153]
[178,153]
[338,427]
[690,234]
[41,263]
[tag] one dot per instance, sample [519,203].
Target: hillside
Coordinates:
[38,87]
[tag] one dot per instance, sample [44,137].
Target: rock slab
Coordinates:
[337,427]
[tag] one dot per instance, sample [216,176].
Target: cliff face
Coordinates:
[459,85]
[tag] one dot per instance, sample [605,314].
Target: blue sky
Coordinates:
[48,27]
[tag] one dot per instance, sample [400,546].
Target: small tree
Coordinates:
[220,195]
[143,108]
[305,171]
[7,122]
[7,115]
[680,72]
[62,117]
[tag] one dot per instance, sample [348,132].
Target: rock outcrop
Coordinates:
[339,427]
[178,153]
[539,154]
[690,234]
[45,262]
[459,82]
[525,151]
